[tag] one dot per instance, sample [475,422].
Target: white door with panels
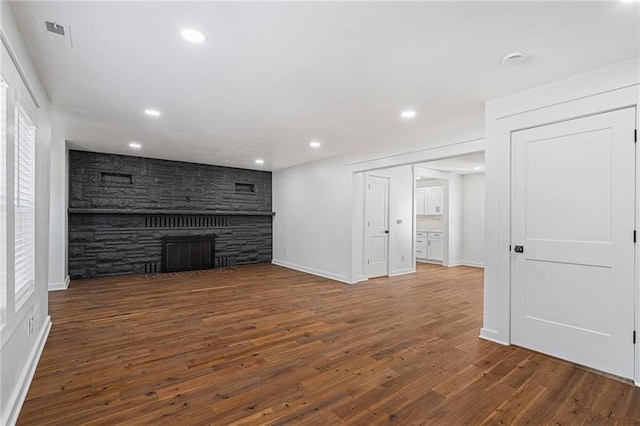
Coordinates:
[377,221]
[573,208]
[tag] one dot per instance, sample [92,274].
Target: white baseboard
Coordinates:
[60,286]
[312,271]
[431,262]
[473,264]
[466,263]
[402,272]
[492,336]
[20,394]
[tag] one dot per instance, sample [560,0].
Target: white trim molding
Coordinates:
[19,68]
[402,272]
[60,286]
[312,271]
[20,394]
[465,263]
[492,336]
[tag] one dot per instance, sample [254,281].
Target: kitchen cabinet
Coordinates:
[429,201]
[435,246]
[429,246]
[433,201]
[421,245]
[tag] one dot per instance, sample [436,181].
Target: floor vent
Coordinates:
[151,267]
[220,262]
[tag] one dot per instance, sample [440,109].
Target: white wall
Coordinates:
[58,278]
[602,90]
[473,219]
[20,349]
[312,226]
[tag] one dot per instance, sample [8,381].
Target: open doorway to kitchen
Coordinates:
[449,211]
[435,215]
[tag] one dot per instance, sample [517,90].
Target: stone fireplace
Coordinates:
[122,208]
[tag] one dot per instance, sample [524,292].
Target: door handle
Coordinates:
[386,231]
[518,249]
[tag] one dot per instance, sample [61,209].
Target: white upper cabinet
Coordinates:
[433,201]
[429,201]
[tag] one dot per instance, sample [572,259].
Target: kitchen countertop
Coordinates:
[429,230]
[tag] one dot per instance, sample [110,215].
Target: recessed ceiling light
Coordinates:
[135,145]
[514,58]
[152,112]
[259,161]
[192,35]
[477,168]
[314,144]
[418,177]
[408,114]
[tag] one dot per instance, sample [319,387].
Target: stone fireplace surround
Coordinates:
[120,208]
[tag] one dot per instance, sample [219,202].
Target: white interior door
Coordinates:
[377,212]
[573,215]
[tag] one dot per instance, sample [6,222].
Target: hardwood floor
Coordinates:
[263,344]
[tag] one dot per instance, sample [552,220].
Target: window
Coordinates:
[24,202]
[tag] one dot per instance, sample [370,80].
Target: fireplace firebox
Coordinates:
[187,253]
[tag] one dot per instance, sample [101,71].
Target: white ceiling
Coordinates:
[461,165]
[274,76]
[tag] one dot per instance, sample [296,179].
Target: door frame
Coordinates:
[366,231]
[563,102]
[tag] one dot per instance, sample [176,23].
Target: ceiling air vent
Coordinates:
[52,27]
[54,31]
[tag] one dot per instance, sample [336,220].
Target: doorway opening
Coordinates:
[449,210]
[434,214]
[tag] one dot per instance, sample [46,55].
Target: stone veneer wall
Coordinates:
[121,206]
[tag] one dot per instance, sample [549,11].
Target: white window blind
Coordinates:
[25,138]
[3,199]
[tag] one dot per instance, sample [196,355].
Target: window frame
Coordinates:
[4,201]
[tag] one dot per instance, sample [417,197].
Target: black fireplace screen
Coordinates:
[186,253]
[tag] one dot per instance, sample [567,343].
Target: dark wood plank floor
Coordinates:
[263,344]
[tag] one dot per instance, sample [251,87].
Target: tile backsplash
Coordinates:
[431,223]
